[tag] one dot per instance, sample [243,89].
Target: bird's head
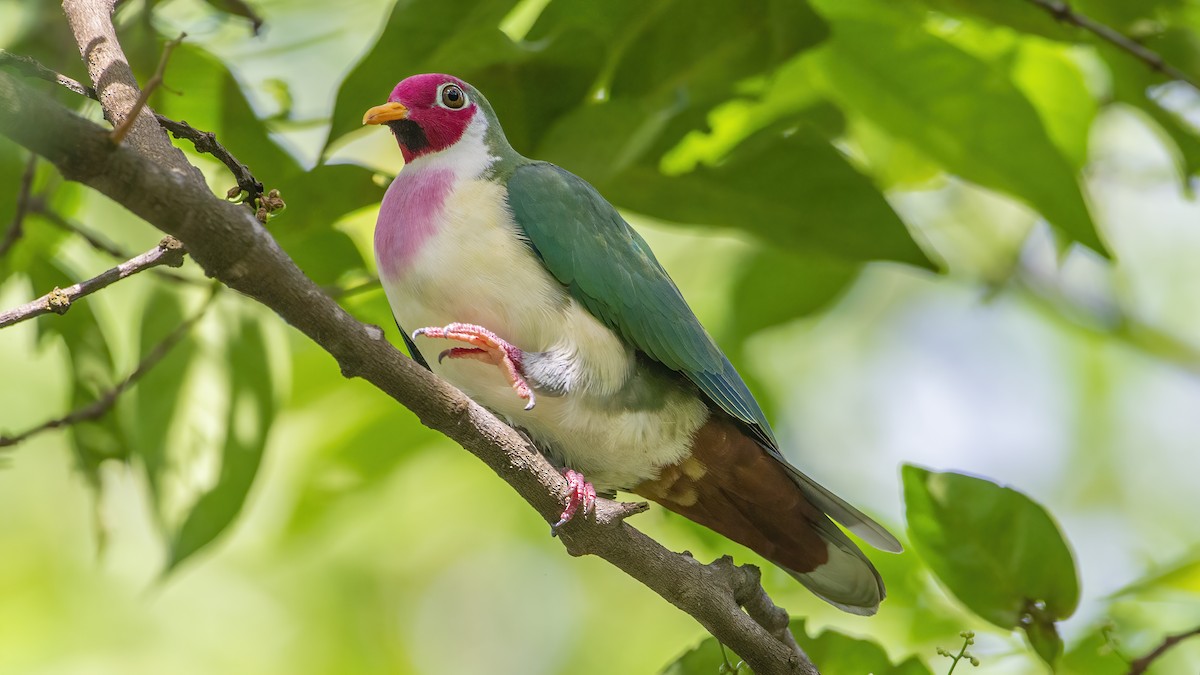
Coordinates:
[427,113]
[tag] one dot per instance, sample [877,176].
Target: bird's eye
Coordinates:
[452,96]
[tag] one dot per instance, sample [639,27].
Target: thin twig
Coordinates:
[17,228]
[169,251]
[96,409]
[118,134]
[1140,666]
[1062,11]
[206,142]
[29,67]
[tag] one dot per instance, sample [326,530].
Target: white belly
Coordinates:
[475,269]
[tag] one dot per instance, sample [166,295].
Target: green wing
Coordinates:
[610,269]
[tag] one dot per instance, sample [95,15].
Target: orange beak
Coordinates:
[382,114]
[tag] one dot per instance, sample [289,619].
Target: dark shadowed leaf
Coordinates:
[959,110]
[789,187]
[703,50]
[423,36]
[251,412]
[775,287]
[995,549]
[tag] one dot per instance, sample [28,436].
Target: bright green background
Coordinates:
[871,205]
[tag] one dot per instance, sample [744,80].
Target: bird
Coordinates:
[529,292]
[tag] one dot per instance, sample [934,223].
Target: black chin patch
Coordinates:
[409,134]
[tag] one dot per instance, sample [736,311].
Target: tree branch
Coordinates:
[1062,11]
[29,67]
[1143,664]
[98,408]
[168,252]
[234,248]
[116,88]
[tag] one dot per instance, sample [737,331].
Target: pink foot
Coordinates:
[583,494]
[487,347]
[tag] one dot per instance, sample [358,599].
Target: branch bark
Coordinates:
[231,246]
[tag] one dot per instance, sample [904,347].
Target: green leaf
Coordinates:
[959,110]
[92,368]
[213,101]
[777,286]
[995,549]
[1050,77]
[251,411]
[789,187]
[1093,655]
[1131,82]
[702,50]
[424,36]
[157,395]
[835,652]
[831,651]
[1043,637]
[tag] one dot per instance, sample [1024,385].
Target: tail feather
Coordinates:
[733,486]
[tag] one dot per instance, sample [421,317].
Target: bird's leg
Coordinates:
[487,347]
[582,494]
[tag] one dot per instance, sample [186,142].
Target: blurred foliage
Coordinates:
[882,209]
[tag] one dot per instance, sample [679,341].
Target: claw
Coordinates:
[582,494]
[488,348]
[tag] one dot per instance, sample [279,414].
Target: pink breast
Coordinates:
[408,217]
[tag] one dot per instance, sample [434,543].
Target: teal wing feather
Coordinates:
[610,269]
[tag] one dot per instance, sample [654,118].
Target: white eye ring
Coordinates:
[447,92]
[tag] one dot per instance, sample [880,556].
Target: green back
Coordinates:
[610,269]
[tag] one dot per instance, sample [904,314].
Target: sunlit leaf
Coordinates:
[1054,83]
